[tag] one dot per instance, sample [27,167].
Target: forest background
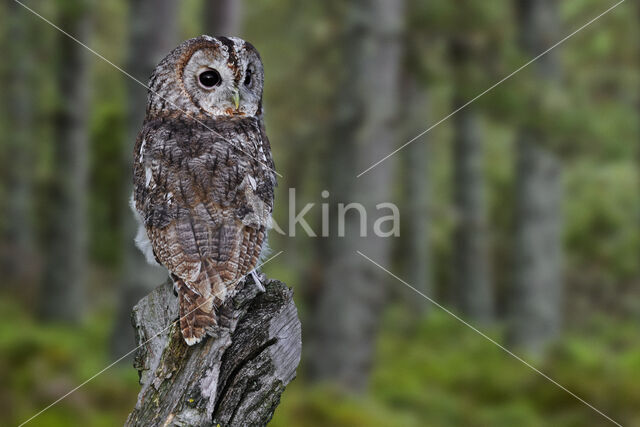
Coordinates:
[520,213]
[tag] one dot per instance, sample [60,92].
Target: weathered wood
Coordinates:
[233,378]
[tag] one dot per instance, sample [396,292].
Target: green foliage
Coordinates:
[601,209]
[432,371]
[107,205]
[323,406]
[31,352]
[437,372]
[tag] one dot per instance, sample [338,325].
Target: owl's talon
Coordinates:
[257,281]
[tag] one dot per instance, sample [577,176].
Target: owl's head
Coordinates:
[210,76]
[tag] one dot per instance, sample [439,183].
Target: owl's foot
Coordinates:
[257,281]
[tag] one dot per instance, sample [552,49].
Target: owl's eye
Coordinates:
[247,79]
[209,78]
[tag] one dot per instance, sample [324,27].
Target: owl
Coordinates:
[204,177]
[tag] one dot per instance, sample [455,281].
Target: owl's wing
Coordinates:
[203,213]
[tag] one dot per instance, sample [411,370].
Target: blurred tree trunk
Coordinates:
[63,288]
[223,17]
[414,251]
[18,253]
[154,33]
[350,303]
[638,142]
[473,294]
[537,289]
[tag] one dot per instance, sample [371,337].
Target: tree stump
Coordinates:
[233,378]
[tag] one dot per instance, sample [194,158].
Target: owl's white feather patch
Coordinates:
[269,224]
[192,340]
[142,239]
[261,151]
[144,142]
[147,176]
[238,43]
[265,251]
[144,244]
[252,181]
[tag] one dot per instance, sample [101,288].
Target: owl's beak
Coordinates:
[235,97]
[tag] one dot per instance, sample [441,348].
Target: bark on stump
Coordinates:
[233,378]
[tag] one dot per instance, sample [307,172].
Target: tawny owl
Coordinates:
[203,174]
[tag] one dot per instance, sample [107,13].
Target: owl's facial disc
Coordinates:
[224,79]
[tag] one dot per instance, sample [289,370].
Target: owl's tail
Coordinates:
[197,313]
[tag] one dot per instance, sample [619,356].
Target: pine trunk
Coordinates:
[537,289]
[62,292]
[223,17]
[414,253]
[473,293]
[18,246]
[537,292]
[472,280]
[352,295]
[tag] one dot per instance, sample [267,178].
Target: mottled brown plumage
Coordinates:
[203,174]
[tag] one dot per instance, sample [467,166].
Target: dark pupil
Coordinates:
[210,78]
[247,79]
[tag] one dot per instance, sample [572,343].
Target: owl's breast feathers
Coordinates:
[181,163]
[205,194]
